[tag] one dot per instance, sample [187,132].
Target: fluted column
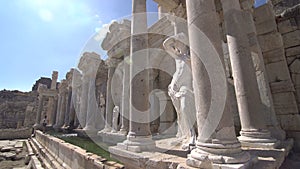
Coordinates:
[254,132]
[216,142]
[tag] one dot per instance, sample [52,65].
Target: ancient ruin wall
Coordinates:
[13,109]
[279,38]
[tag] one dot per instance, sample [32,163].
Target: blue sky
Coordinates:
[39,36]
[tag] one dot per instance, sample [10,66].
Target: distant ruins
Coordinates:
[235,93]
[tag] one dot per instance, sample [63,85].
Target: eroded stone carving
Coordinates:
[116,112]
[180,89]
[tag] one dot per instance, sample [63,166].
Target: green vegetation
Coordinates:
[85,143]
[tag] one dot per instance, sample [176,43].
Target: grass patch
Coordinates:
[85,143]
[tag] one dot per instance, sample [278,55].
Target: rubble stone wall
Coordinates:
[279,38]
[13,109]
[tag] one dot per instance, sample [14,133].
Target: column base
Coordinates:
[57,128]
[111,138]
[137,144]
[258,139]
[105,130]
[208,154]
[123,131]
[277,133]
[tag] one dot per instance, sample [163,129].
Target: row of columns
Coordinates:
[216,141]
[74,106]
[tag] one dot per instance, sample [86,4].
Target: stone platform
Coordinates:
[112,138]
[161,158]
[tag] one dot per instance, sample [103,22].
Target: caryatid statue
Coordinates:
[181,88]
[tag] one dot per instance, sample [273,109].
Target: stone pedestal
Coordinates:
[216,142]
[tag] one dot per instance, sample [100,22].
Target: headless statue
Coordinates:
[181,89]
[116,112]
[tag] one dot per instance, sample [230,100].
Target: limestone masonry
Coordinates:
[211,84]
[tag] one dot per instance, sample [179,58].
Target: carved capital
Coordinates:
[112,62]
[117,33]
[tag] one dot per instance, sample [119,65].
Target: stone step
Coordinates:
[49,156]
[37,150]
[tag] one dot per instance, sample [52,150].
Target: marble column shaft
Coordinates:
[139,136]
[246,87]
[62,110]
[109,100]
[54,114]
[58,110]
[91,106]
[83,102]
[92,102]
[139,91]
[222,142]
[125,97]
[261,75]
[40,109]
[68,107]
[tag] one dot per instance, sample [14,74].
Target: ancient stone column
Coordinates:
[93,61]
[139,137]
[54,80]
[62,105]
[161,11]
[125,97]
[51,111]
[216,142]
[68,108]
[58,110]
[261,73]
[39,112]
[83,102]
[76,84]
[54,114]
[109,100]
[254,132]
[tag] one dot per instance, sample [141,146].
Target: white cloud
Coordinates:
[102,31]
[46,15]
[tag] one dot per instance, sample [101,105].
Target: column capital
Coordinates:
[168,4]
[117,33]
[113,62]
